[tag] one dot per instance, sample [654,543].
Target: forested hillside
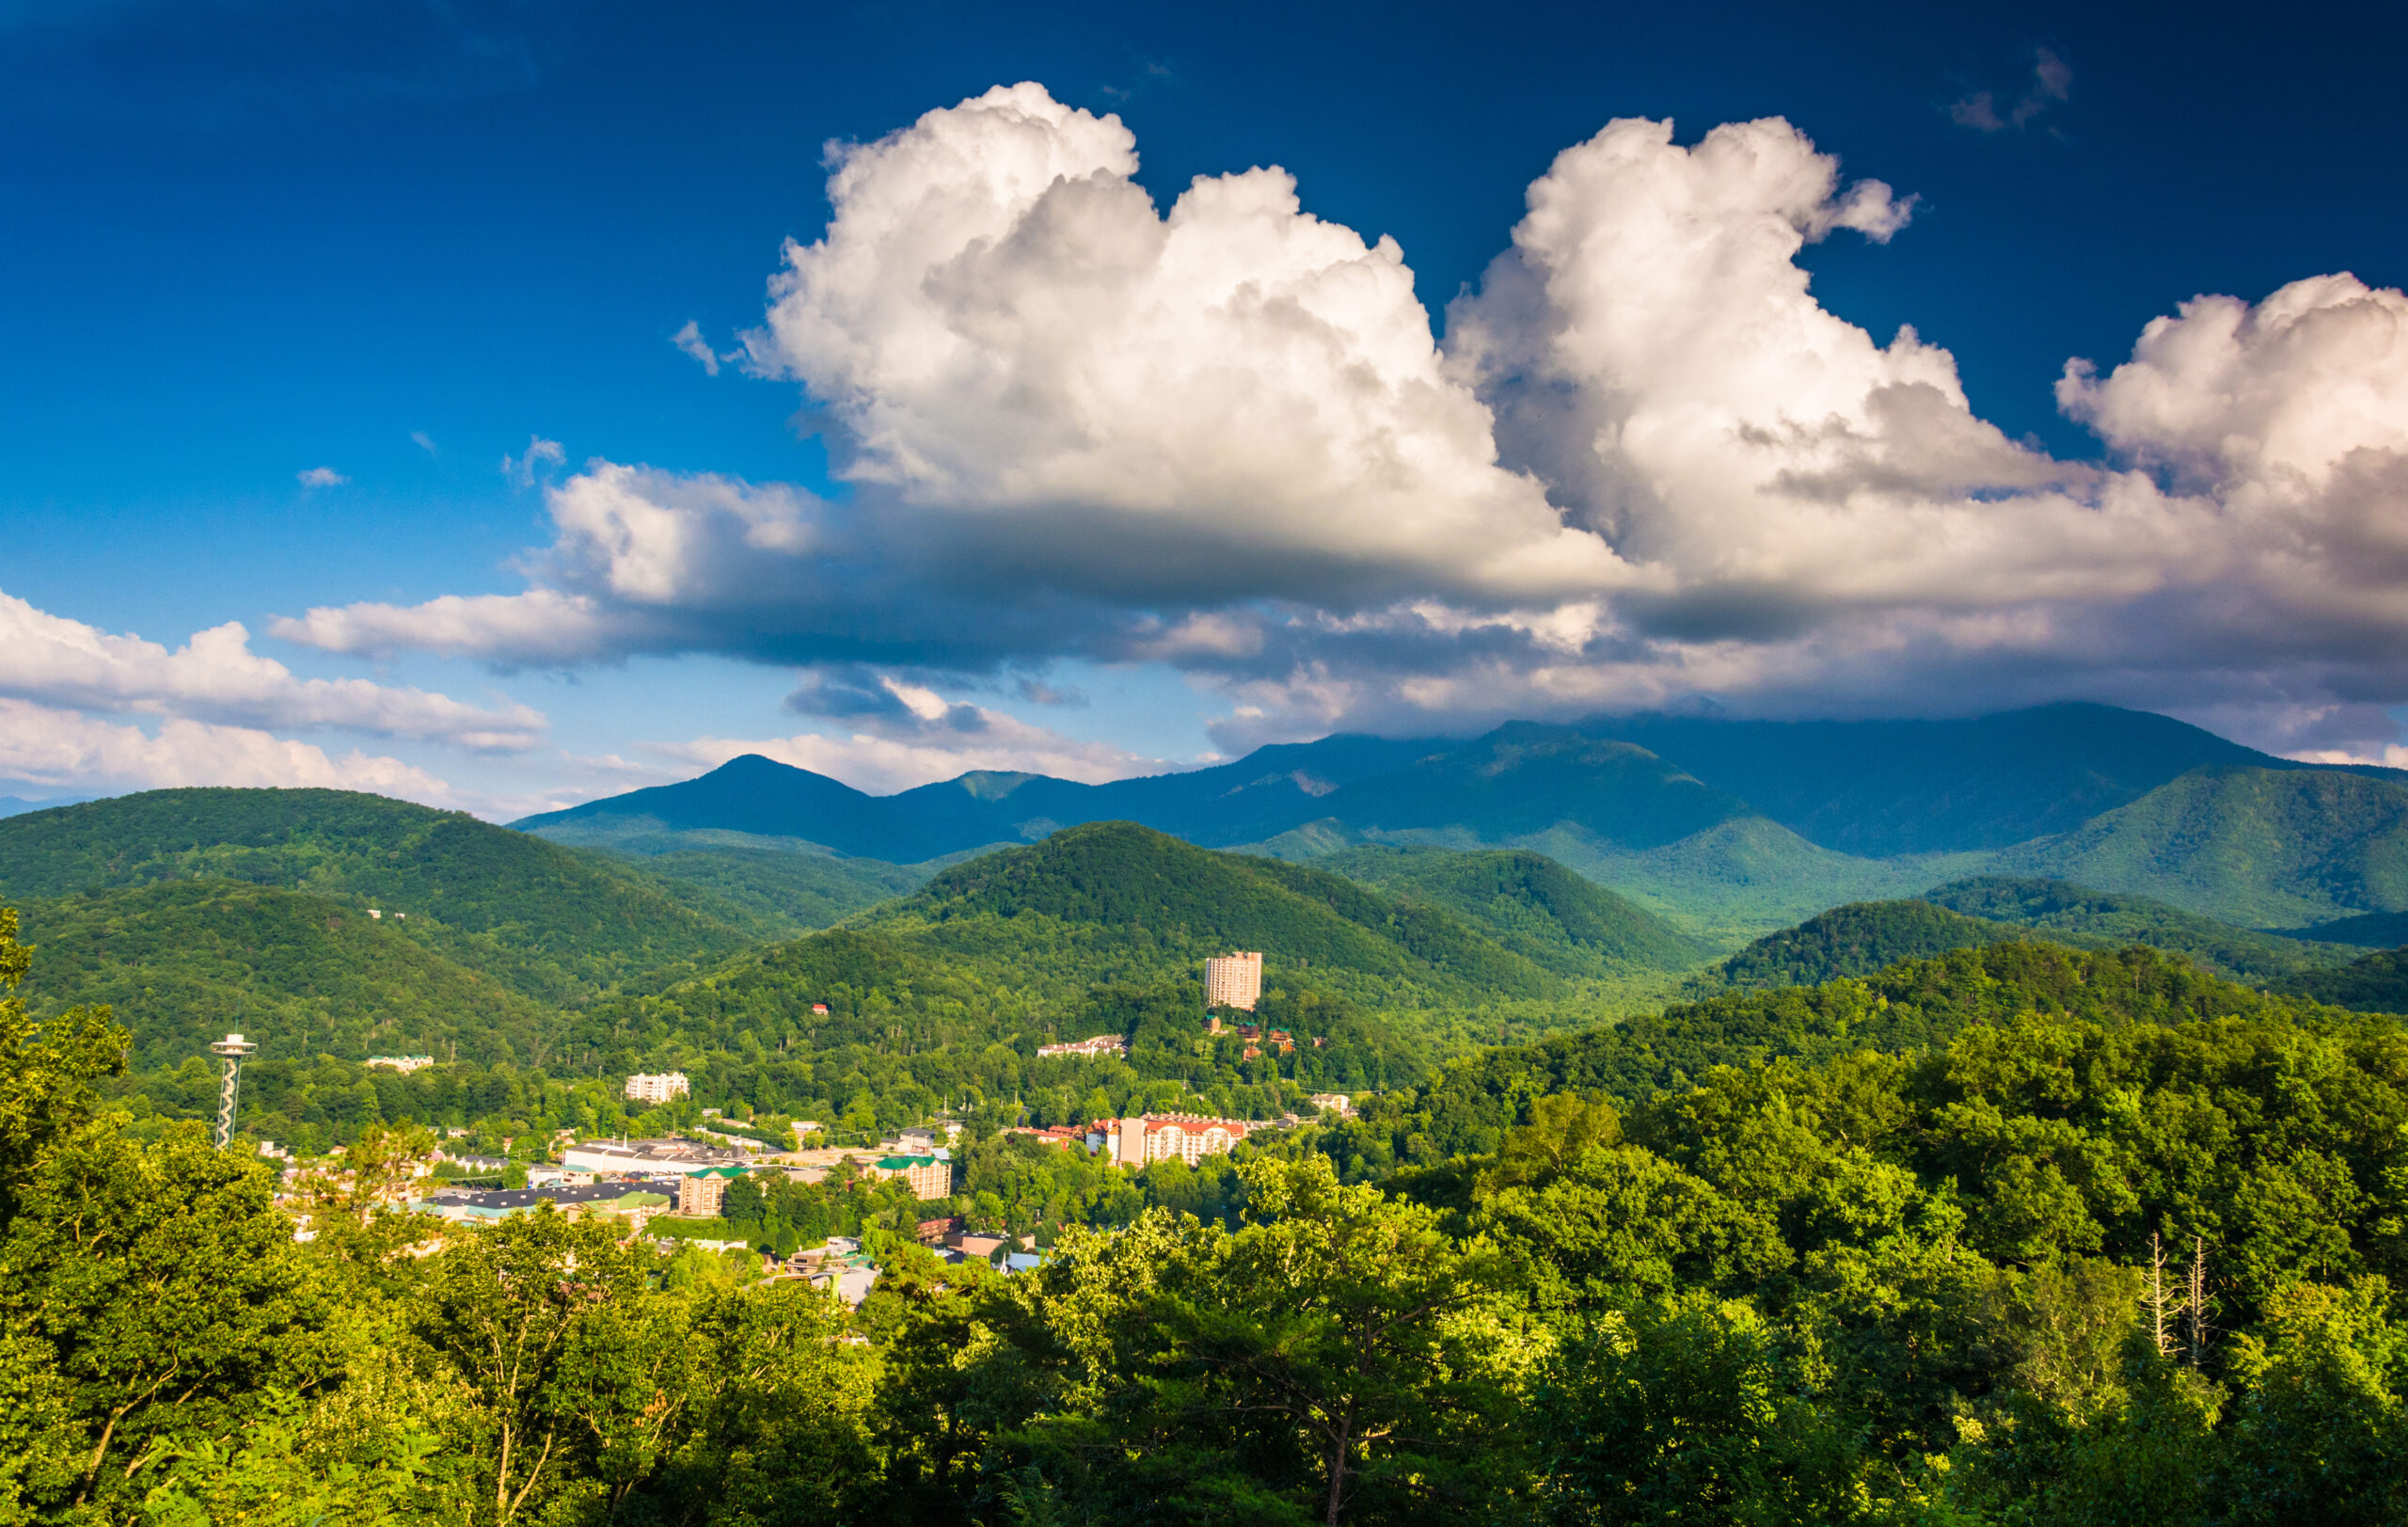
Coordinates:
[1860,938]
[184,961]
[555,925]
[2071,914]
[1916,1004]
[1857,940]
[1117,902]
[1527,902]
[1917,1248]
[2261,848]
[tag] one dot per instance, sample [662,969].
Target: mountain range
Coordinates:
[1723,826]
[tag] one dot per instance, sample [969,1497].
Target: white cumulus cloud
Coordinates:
[215,677]
[44,746]
[1234,396]
[1647,465]
[321,477]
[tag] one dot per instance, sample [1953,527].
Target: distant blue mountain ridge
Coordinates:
[1742,821]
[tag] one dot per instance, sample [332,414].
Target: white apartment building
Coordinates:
[1233,980]
[657,1087]
[1102,1045]
[402,1063]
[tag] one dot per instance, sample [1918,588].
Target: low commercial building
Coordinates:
[614,1199]
[659,1087]
[670,1157]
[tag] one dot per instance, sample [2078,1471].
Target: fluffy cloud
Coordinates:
[42,746]
[321,477]
[215,677]
[1647,465]
[1234,399]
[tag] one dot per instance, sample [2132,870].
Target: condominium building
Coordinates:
[928,1177]
[657,1087]
[1191,1138]
[1233,980]
[701,1195]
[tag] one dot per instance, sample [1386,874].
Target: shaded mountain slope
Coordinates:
[1525,778]
[2372,983]
[2260,848]
[2073,914]
[1880,787]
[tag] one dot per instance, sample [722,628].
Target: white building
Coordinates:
[1233,980]
[659,1087]
[1337,1102]
[1102,1045]
[647,1158]
[402,1063]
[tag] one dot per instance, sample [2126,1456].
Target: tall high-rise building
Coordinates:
[1233,980]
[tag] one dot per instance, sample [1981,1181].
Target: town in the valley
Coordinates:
[683,1178]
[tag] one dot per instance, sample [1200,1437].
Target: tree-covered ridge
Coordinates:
[1527,902]
[794,893]
[2377,982]
[1117,902]
[1916,1004]
[2072,913]
[2260,848]
[1862,937]
[1857,940]
[186,961]
[551,923]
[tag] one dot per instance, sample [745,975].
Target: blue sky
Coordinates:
[248,240]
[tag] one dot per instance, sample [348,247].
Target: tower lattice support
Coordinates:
[233,1048]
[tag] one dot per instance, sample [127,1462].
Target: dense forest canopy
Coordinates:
[2017,1234]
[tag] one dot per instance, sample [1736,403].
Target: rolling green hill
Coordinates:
[2077,914]
[792,892]
[182,962]
[1527,902]
[551,923]
[1857,940]
[1740,878]
[2371,983]
[2260,848]
[1913,1005]
[1864,937]
[1113,900]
